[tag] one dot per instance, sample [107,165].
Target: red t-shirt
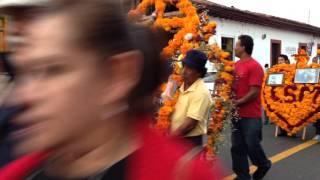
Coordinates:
[248,73]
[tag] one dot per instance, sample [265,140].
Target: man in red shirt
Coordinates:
[247,131]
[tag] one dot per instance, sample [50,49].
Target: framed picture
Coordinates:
[275,79]
[307,76]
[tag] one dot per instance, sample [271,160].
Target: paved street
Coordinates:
[294,159]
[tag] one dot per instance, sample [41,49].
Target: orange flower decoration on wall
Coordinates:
[292,106]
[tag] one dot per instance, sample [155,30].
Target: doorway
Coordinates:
[227,44]
[275,51]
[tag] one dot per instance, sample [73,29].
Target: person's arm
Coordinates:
[252,94]
[186,127]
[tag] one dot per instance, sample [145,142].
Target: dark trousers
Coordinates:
[195,140]
[246,139]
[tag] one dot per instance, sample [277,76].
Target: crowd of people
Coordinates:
[80,100]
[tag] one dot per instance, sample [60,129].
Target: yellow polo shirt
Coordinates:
[194,103]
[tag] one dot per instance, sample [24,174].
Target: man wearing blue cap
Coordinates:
[194,102]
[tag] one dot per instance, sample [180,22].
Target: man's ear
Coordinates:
[125,71]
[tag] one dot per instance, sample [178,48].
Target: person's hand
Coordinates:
[237,102]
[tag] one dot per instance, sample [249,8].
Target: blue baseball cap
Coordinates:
[196,59]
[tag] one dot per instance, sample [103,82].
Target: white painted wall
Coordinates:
[261,52]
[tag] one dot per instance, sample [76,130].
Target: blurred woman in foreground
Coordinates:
[85,78]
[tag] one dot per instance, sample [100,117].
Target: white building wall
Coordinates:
[289,40]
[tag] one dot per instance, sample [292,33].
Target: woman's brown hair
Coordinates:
[104,28]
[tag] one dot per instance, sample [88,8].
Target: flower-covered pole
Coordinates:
[223,109]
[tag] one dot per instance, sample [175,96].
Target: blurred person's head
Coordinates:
[83,76]
[19,13]
[244,46]
[283,59]
[194,66]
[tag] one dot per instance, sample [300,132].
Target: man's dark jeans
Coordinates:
[246,139]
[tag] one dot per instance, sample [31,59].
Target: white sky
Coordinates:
[291,9]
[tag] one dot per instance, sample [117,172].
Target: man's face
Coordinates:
[281,60]
[239,49]
[60,85]
[190,74]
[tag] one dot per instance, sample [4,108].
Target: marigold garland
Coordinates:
[163,119]
[223,108]
[292,106]
[188,24]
